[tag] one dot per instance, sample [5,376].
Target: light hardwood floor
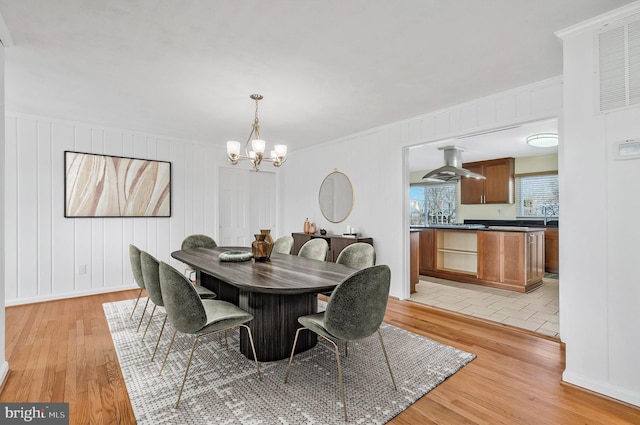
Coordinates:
[62,351]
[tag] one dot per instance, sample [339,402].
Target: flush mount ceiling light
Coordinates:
[256,155]
[543,140]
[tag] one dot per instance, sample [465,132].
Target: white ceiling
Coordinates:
[326,68]
[498,143]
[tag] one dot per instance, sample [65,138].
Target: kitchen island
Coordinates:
[505,257]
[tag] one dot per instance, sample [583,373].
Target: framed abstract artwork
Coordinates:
[113,186]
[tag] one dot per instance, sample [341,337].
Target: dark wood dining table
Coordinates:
[275,292]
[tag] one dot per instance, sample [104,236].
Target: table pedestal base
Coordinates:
[275,319]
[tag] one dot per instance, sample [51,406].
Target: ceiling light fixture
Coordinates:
[543,140]
[256,155]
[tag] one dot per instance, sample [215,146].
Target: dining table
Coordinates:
[276,292]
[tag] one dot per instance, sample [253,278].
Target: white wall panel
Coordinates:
[28,207]
[63,237]
[45,250]
[44,223]
[11,211]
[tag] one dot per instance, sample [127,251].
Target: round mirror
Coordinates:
[336,197]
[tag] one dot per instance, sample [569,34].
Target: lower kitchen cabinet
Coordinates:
[512,260]
[551,250]
[427,242]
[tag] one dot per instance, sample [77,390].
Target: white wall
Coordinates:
[4,366]
[600,291]
[44,250]
[375,160]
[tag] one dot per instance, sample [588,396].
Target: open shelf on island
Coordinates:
[457,251]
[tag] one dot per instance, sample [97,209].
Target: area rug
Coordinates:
[223,388]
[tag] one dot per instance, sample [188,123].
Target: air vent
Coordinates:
[618,65]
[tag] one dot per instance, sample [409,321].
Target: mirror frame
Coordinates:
[322,210]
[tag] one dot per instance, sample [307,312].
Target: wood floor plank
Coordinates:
[62,351]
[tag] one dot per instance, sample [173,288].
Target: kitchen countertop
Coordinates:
[461,227]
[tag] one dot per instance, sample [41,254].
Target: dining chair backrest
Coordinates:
[358,255]
[136,268]
[198,241]
[181,301]
[151,274]
[283,245]
[357,306]
[315,249]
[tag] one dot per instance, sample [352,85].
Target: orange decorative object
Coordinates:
[307,226]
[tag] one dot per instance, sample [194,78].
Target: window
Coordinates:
[433,203]
[533,192]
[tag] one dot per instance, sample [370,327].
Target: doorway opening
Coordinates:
[536,311]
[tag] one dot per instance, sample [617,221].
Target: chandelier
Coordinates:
[256,155]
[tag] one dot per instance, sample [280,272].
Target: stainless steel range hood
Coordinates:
[452,170]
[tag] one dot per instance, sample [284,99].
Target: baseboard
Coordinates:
[32,300]
[602,389]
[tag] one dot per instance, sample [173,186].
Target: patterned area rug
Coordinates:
[223,388]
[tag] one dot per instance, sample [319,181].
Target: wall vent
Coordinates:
[618,64]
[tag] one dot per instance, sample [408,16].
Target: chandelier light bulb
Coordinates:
[258,145]
[233,148]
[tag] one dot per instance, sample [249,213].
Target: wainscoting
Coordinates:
[49,256]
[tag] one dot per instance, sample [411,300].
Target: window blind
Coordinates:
[535,192]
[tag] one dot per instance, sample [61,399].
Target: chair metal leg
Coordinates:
[387,359]
[346,348]
[148,323]
[344,401]
[193,347]
[136,304]
[195,341]
[159,335]
[253,349]
[293,350]
[168,349]
[143,312]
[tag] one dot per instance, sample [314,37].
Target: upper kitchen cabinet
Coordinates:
[498,188]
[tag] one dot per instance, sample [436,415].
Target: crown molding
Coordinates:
[599,21]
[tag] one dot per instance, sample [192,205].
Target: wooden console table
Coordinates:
[336,243]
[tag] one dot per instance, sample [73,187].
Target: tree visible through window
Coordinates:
[433,203]
[533,193]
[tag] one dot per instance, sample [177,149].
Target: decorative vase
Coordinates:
[307,225]
[268,239]
[260,248]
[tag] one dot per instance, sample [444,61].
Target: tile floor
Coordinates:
[536,311]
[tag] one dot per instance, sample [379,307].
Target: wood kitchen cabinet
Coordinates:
[336,243]
[414,254]
[427,251]
[551,250]
[511,260]
[499,186]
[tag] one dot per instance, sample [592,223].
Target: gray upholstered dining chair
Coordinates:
[136,269]
[190,314]
[354,311]
[197,241]
[358,255]
[151,275]
[315,249]
[283,245]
